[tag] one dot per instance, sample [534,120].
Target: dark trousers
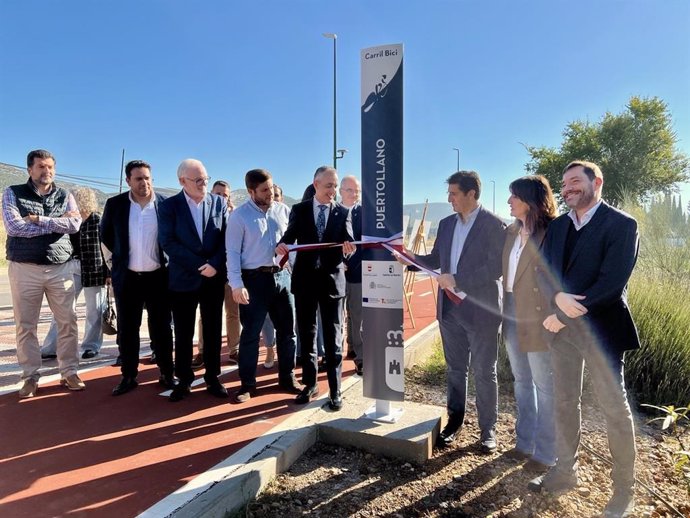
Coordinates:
[148,289]
[209,298]
[471,344]
[269,293]
[307,304]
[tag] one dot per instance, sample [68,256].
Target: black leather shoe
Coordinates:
[290,385]
[307,394]
[86,355]
[216,388]
[48,356]
[449,432]
[168,381]
[359,368]
[335,401]
[125,385]
[118,361]
[181,391]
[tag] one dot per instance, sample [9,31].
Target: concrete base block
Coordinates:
[410,438]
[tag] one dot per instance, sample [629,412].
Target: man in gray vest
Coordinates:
[38,217]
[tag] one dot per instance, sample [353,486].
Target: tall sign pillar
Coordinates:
[382,202]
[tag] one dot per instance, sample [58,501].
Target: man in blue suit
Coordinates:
[192,232]
[591,252]
[468,250]
[129,232]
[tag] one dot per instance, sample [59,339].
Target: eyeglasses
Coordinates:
[199,181]
[351,191]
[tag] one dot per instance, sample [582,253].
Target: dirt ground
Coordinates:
[334,482]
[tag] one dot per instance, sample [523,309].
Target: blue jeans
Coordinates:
[269,294]
[268,332]
[535,428]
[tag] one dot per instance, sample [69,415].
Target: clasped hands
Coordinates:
[568,304]
[348,249]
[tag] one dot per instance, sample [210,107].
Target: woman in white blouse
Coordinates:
[533,206]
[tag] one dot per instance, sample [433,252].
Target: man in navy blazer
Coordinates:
[318,280]
[192,232]
[129,232]
[467,251]
[591,253]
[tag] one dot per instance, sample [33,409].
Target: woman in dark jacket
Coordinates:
[533,206]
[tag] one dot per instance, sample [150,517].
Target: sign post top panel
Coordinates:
[379,66]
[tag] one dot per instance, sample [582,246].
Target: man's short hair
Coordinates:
[278,188]
[466,182]
[38,153]
[222,183]
[591,169]
[256,177]
[133,164]
[322,170]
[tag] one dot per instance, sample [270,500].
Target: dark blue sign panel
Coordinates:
[382,203]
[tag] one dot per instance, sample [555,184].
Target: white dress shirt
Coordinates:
[586,218]
[143,236]
[197,212]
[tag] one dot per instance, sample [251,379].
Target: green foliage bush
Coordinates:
[659,372]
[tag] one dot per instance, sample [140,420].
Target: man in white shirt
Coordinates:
[129,236]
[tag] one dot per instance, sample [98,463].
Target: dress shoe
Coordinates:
[290,385]
[181,391]
[244,394]
[216,388]
[198,361]
[553,481]
[488,445]
[86,355]
[449,432]
[307,394]
[534,466]
[359,368]
[335,401]
[29,388]
[48,356]
[622,504]
[125,385]
[516,454]
[118,361]
[167,380]
[73,382]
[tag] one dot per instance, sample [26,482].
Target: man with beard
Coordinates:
[591,252]
[38,217]
[129,239]
[259,286]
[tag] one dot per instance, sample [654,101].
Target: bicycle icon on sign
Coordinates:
[380,91]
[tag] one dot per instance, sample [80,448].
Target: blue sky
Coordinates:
[241,85]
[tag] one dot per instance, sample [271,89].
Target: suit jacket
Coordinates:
[353,274]
[531,305]
[115,235]
[302,230]
[178,236]
[599,268]
[478,268]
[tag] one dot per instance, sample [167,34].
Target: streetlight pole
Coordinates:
[458,151]
[493,183]
[334,37]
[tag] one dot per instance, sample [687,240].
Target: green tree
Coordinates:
[636,150]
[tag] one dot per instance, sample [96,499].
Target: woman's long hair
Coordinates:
[536,192]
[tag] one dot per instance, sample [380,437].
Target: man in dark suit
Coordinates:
[192,232]
[591,252]
[129,232]
[468,250]
[318,280]
[350,191]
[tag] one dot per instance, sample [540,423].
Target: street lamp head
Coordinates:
[341,153]
[330,35]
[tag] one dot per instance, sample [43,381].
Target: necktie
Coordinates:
[321,221]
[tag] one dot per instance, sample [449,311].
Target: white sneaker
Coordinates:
[73,382]
[270,357]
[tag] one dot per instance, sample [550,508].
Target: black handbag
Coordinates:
[109,316]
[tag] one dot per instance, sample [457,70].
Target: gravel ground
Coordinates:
[334,482]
